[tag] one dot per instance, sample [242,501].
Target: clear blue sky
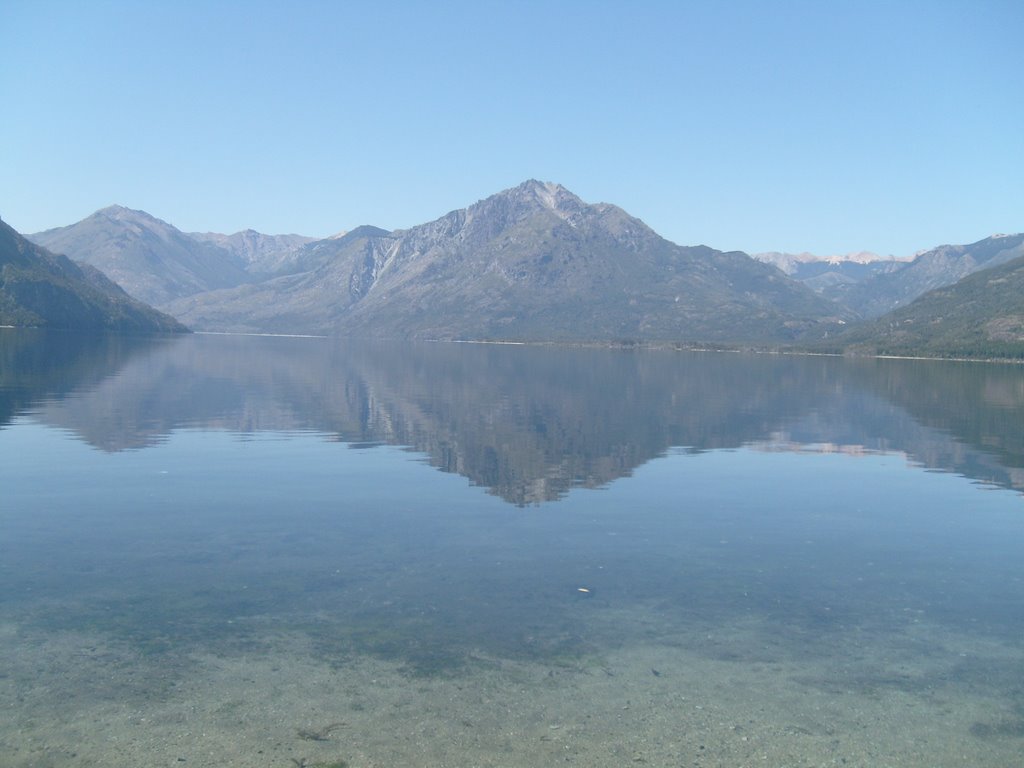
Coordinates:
[822,126]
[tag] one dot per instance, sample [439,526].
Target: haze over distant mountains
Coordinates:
[873,285]
[530,263]
[156,263]
[981,315]
[42,289]
[832,276]
[928,271]
[258,254]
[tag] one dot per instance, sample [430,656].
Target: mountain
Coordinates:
[872,285]
[258,253]
[794,263]
[531,263]
[932,269]
[42,289]
[979,316]
[149,258]
[831,276]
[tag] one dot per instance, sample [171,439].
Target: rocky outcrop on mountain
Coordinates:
[45,290]
[530,263]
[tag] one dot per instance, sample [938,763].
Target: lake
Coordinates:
[244,551]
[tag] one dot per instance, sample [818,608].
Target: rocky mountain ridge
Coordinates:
[258,253]
[156,262]
[932,269]
[981,316]
[790,263]
[531,262]
[149,258]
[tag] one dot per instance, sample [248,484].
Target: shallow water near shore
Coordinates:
[279,552]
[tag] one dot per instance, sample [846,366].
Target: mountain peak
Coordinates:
[548,194]
[118,210]
[542,188]
[529,198]
[123,214]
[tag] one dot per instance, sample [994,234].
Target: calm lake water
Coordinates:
[243,551]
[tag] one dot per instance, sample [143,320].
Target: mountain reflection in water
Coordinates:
[527,423]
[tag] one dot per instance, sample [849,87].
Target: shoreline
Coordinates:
[672,346]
